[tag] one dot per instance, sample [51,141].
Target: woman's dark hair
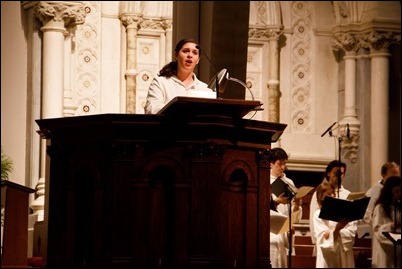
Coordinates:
[278,154]
[386,199]
[170,69]
[332,165]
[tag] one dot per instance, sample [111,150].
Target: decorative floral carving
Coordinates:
[60,12]
[155,24]
[131,20]
[378,40]
[260,33]
[345,41]
[301,97]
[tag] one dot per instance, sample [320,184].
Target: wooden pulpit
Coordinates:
[15,202]
[177,189]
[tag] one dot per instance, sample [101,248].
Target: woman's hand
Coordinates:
[339,226]
[282,199]
[297,203]
[326,234]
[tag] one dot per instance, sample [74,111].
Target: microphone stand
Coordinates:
[395,204]
[290,236]
[217,86]
[339,172]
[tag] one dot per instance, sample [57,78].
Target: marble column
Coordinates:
[378,42]
[349,124]
[55,17]
[167,25]
[131,21]
[273,75]
[379,110]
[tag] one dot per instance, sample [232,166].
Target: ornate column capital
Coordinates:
[345,42]
[167,23]
[379,40]
[370,35]
[56,14]
[132,20]
[270,33]
[156,24]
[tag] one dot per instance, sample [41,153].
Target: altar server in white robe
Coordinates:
[387,218]
[279,243]
[334,172]
[334,240]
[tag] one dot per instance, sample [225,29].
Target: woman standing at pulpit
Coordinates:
[177,78]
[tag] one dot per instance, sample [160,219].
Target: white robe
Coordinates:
[334,253]
[383,248]
[373,193]
[343,194]
[279,243]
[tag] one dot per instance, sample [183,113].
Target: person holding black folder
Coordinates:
[334,174]
[279,243]
[334,240]
[387,219]
[177,78]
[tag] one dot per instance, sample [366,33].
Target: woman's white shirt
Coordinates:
[162,90]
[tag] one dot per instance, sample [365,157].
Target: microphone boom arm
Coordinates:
[329,129]
[243,84]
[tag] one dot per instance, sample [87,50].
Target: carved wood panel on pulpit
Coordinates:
[117,199]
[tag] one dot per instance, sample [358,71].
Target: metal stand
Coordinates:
[290,236]
[395,243]
[339,173]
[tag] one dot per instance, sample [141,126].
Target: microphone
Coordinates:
[329,129]
[221,79]
[347,131]
[214,70]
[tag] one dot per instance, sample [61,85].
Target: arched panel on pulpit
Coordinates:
[238,195]
[161,195]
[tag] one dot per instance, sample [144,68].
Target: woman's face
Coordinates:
[329,192]
[396,192]
[333,174]
[188,57]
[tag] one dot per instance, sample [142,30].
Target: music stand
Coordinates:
[393,237]
[290,236]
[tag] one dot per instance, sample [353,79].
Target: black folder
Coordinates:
[279,186]
[336,209]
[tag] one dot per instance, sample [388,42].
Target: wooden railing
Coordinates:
[303,250]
